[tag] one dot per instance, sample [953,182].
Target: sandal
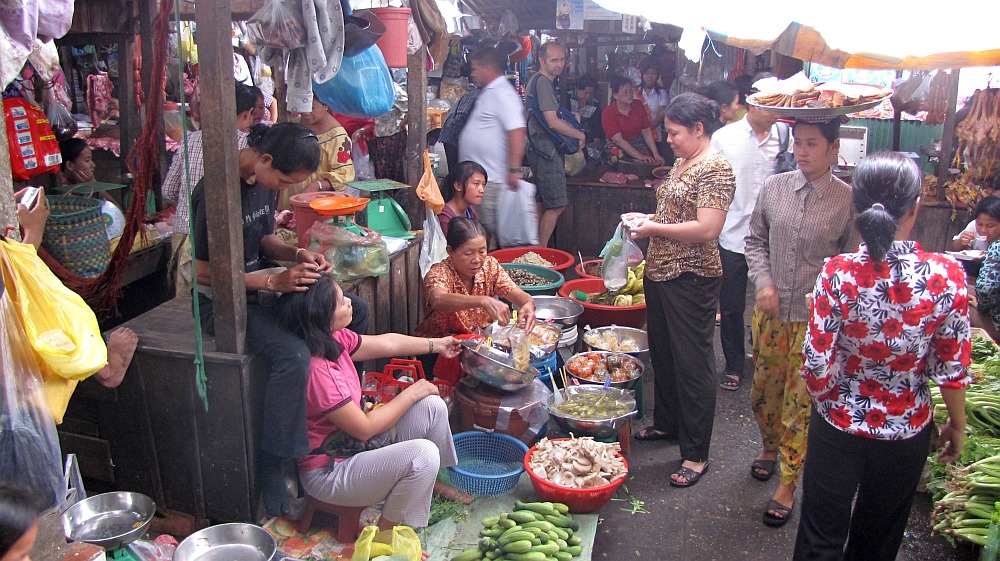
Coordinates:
[731,382]
[762,470]
[651,433]
[690,476]
[781,514]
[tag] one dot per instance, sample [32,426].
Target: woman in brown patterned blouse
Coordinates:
[683,277]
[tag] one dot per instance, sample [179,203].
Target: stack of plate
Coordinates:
[569,336]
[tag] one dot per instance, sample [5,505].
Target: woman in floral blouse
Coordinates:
[885,321]
[683,276]
[460,293]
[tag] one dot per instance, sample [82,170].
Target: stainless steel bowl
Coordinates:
[598,428]
[626,385]
[564,312]
[227,542]
[640,337]
[493,367]
[109,520]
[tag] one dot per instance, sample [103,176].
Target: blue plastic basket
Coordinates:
[488,463]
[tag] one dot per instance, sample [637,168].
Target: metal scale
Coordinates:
[384,214]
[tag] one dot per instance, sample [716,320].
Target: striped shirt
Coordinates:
[171,187]
[794,227]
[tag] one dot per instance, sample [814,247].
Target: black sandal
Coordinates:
[652,433]
[731,382]
[781,514]
[690,476]
[762,470]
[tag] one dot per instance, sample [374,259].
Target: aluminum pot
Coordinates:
[109,520]
[493,367]
[598,428]
[640,337]
[227,542]
[564,312]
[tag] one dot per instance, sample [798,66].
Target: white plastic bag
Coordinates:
[434,249]
[517,219]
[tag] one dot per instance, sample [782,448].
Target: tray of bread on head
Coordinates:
[799,98]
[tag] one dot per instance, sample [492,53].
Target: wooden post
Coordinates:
[129,120]
[947,137]
[222,181]
[280,92]
[897,128]
[416,113]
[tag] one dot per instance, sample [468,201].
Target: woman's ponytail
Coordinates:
[886,185]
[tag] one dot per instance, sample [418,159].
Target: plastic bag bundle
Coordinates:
[401,543]
[619,254]
[353,257]
[362,88]
[29,447]
[277,24]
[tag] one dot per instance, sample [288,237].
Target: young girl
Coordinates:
[468,187]
[77,162]
[18,525]
[402,473]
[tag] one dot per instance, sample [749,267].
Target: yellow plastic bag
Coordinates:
[401,544]
[60,326]
[427,188]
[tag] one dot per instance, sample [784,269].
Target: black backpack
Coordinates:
[785,160]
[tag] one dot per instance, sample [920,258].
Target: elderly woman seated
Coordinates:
[460,293]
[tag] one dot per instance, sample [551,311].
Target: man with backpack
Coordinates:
[546,162]
[494,135]
[752,146]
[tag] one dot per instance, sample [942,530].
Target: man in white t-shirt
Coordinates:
[494,136]
[750,145]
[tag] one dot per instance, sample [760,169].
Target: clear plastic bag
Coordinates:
[277,25]
[619,254]
[29,447]
[63,124]
[353,257]
[434,249]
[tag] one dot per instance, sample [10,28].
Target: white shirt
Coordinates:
[654,100]
[753,162]
[498,111]
[976,243]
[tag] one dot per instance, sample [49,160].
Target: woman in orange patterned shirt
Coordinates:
[460,293]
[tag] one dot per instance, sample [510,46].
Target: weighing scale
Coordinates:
[385,216]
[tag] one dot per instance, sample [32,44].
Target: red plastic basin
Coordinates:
[600,315]
[581,269]
[560,259]
[579,501]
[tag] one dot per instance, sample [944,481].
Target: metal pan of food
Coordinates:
[628,340]
[493,367]
[227,542]
[109,520]
[595,367]
[544,338]
[592,410]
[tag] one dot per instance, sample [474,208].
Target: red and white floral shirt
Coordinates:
[879,332]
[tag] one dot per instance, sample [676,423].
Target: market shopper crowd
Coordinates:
[846,338]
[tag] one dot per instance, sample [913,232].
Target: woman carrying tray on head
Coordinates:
[409,436]
[461,293]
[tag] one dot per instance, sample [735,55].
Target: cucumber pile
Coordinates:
[540,531]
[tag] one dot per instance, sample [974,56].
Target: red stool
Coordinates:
[348,518]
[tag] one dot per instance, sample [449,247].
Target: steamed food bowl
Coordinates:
[592,410]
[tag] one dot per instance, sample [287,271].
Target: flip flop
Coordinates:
[690,475]
[650,433]
[731,382]
[783,514]
[762,470]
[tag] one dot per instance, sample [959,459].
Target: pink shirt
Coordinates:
[330,386]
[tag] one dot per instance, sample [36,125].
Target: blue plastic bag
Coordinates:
[362,88]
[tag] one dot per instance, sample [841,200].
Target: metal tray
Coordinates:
[109,520]
[822,113]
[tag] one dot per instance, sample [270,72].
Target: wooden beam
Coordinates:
[948,136]
[416,110]
[222,181]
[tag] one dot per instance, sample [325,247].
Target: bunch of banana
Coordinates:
[630,295]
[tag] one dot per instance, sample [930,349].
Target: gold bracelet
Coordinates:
[430,345]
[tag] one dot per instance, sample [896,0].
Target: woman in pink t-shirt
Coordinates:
[403,474]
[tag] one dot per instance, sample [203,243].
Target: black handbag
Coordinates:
[785,160]
[340,444]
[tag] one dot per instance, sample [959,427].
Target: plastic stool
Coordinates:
[348,519]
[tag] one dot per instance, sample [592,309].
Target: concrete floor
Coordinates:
[720,517]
